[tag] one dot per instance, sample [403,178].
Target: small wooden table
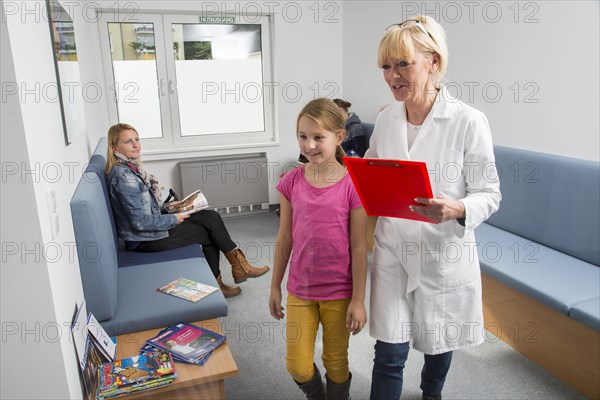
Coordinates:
[193,381]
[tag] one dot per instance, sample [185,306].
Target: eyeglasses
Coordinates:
[411,23]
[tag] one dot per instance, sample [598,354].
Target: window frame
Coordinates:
[172,141]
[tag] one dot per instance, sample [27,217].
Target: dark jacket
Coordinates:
[356,138]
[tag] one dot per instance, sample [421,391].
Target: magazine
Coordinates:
[150,348]
[142,372]
[187,342]
[103,342]
[90,371]
[80,334]
[187,289]
[87,351]
[200,362]
[195,202]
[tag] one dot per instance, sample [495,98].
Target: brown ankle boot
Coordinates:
[228,291]
[241,268]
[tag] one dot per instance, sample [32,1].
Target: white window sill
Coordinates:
[183,152]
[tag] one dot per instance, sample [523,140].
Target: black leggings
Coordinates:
[206,228]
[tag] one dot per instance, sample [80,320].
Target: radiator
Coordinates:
[233,185]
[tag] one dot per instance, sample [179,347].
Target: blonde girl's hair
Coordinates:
[113,139]
[329,117]
[400,42]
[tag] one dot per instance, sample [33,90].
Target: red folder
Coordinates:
[388,187]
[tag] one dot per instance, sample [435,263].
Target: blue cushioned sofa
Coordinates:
[120,286]
[368,127]
[540,257]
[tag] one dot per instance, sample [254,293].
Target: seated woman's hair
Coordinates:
[112,140]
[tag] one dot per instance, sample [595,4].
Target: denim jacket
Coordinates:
[137,212]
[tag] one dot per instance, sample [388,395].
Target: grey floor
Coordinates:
[490,371]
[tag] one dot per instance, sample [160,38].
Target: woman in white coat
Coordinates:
[425,278]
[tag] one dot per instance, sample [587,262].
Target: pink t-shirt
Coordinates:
[320,264]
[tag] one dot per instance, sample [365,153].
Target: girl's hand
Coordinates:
[440,209]
[356,316]
[275,306]
[181,217]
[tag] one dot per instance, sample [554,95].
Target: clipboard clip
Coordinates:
[384,163]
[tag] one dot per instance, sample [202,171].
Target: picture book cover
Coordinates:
[187,341]
[194,202]
[136,371]
[187,289]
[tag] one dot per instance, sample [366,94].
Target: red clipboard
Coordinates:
[388,187]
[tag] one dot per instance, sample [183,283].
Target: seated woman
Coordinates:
[136,201]
[356,142]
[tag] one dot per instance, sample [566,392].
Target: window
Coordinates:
[184,83]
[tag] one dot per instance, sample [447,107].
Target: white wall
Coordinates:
[22,283]
[549,55]
[41,283]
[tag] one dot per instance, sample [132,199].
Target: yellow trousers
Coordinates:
[303,318]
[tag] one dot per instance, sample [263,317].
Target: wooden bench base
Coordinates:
[564,347]
[192,382]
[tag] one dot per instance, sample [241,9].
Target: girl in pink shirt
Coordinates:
[323,229]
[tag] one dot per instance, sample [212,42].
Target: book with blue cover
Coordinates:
[187,342]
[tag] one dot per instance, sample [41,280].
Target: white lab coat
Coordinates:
[425,278]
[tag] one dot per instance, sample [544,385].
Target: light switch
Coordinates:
[53,211]
[51,199]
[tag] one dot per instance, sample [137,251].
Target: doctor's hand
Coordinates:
[440,209]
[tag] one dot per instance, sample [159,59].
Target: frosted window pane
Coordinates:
[135,73]
[138,96]
[219,78]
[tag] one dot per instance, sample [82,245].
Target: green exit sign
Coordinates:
[217,20]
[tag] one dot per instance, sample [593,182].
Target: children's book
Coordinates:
[187,342]
[187,289]
[194,202]
[142,372]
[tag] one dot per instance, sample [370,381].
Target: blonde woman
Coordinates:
[425,278]
[136,202]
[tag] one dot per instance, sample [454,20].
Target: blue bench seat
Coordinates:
[120,286]
[547,229]
[142,307]
[587,313]
[540,263]
[537,271]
